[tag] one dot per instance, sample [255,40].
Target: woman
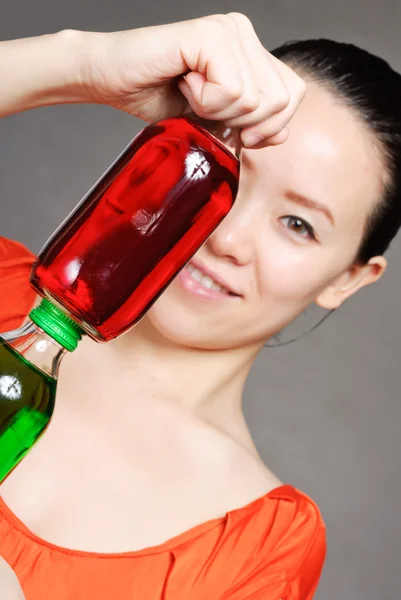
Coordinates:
[148,484]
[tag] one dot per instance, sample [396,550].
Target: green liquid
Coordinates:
[26,405]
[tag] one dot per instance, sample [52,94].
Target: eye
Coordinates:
[299,226]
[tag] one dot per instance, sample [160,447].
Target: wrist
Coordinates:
[44,70]
[68,51]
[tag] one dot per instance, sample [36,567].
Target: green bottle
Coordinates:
[29,362]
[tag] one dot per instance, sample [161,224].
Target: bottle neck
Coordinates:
[229,137]
[37,348]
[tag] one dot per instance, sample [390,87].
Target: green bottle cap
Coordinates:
[57,324]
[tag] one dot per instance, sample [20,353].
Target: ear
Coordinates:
[355,278]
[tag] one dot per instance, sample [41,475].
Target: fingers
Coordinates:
[228,75]
[222,83]
[237,81]
[273,129]
[249,100]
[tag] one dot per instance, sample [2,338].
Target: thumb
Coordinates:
[191,86]
[204,97]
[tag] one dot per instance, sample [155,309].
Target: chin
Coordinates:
[175,322]
[199,325]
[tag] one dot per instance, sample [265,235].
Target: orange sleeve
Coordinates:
[304,583]
[291,569]
[16,295]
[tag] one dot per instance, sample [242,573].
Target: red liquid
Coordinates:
[139,225]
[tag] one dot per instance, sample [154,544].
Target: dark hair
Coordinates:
[372,89]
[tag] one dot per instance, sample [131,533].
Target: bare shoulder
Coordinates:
[255,474]
[245,475]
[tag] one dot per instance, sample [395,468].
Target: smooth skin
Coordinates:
[162,405]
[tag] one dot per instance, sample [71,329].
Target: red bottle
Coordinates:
[137,227]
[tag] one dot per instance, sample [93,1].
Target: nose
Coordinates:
[234,238]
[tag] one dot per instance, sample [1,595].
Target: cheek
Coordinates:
[292,273]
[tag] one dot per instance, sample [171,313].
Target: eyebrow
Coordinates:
[309,203]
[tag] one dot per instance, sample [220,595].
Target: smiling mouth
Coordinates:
[207,282]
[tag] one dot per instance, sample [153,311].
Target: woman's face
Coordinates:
[290,239]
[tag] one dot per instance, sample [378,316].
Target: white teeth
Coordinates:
[197,275]
[205,280]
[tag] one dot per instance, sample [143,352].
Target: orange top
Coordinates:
[270,549]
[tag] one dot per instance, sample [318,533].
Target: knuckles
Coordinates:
[240,19]
[249,103]
[280,99]
[289,91]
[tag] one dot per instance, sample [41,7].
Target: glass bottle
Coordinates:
[29,363]
[139,225]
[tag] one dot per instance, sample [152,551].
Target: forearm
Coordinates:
[42,70]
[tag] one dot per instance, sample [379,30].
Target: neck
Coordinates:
[153,370]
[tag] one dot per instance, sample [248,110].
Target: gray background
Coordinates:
[325,412]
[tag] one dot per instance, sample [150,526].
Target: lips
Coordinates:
[229,289]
